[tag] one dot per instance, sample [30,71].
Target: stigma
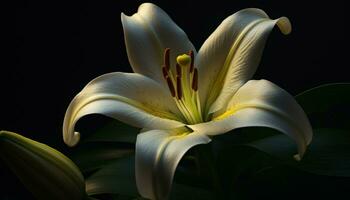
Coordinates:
[183,86]
[183,60]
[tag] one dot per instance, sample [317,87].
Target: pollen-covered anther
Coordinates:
[167,58]
[195,80]
[178,87]
[178,70]
[191,54]
[165,71]
[170,86]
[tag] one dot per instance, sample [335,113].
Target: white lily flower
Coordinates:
[183,100]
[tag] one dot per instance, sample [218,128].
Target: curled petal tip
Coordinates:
[122,15]
[71,139]
[284,25]
[297,157]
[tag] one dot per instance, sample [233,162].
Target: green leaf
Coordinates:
[327,106]
[328,154]
[92,156]
[102,142]
[115,178]
[321,98]
[104,129]
[290,183]
[45,172]
[235,161]
[181,191]
[119,178]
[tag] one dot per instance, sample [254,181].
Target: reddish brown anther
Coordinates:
[178,70]
[167,58]
[191,54]
[170,85]
[178,87]
[165,71]
[195,80]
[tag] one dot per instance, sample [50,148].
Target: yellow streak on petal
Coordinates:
[146,108]
[285,27]
[234,109]
[228,113]
[218,84]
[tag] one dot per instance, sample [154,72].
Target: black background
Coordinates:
[62,45]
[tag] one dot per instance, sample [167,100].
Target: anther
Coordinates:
[167,58]
[178,70]
[178,87]
[165,71]
[192,60]
[195,80]
[170,85]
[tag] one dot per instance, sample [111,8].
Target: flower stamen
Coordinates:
[192,61]
[171,86]
[195,80]
[178,87]
[178,70]
[185,94]
[167,59]
[165,71]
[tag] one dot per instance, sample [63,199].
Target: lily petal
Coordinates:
[158,153]
[147,33]
[261,103]
[230,56]
[129,97]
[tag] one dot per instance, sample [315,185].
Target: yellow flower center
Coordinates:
[183,86]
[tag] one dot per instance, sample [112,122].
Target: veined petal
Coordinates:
[261,103]
[158,153]
[230,56]
[131,98]
[147,33]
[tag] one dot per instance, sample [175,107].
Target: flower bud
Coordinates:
[44,171]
